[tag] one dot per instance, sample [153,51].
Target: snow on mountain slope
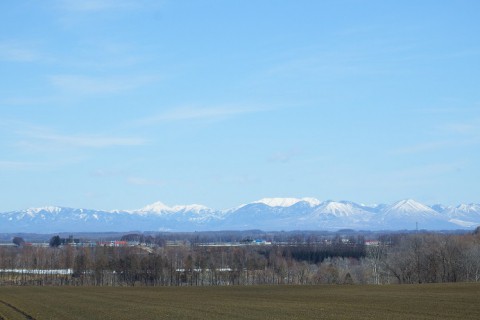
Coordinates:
[410,214]
[464,224]
[191,207]
[287,202]
[187,216]
[49,209]
[464,215]
[161,208]
[267,214]
[463,209]
[340,209]
[338,215]
[409,207]
[157,207]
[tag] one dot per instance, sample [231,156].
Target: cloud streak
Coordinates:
[199,113]
[106,173]
[22,101]
[284,157]
[18,165]
[13,51]
[88,141]
[425,147]
[460,134]
[138,181]
[86,85]
[89,6]
[40,139]
[437,145]
[470,128]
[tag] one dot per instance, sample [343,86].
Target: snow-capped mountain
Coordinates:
[265,214]
[341,209]
[161,208]
[408,207]
[465,215]
[410,214]
[287,202]
[463,210]
[339,215]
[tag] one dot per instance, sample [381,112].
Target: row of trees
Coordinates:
[414,258]
[427,258]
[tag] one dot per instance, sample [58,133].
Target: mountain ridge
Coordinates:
[267,214]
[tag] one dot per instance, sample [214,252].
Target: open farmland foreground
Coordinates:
[427,301]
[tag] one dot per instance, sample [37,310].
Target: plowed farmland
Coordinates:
[438,301]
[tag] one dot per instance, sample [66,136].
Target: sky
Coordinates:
[114,104]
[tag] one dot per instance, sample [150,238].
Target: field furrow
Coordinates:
[13,312]
[427,301]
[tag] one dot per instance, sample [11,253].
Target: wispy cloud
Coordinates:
[106,173]
[124,176]
[200,113]
[238,179]
[425,147]
[89,6]
[449,110]
[15,51]
[41,139]
[18,165]
[433,170]
[284,157]
[106,54]
[138,181]
[80,84]
[334,64]
[21,101]
[437,145]
[357,30]
[465,128]
[407,180]
[448,136]
[324,65]
[88,141]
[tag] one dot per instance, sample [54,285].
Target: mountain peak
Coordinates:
[49,209]
[463,210]
[267,214]
[409,205]
[190,207]
[340,208]
[287,202]
[156,207]
[160,207]
[469,207]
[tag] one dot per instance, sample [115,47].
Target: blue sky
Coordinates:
[117,104]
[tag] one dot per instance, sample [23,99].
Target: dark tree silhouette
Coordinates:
[18,241]
[477,230]
[55,241]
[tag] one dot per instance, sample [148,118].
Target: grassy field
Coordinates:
[439,301]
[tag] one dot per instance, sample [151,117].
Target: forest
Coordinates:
[394,258]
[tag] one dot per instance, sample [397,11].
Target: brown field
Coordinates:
[436,301]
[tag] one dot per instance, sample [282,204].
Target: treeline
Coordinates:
[407,258]
[427,258]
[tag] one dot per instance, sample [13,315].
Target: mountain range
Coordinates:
[269,214]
